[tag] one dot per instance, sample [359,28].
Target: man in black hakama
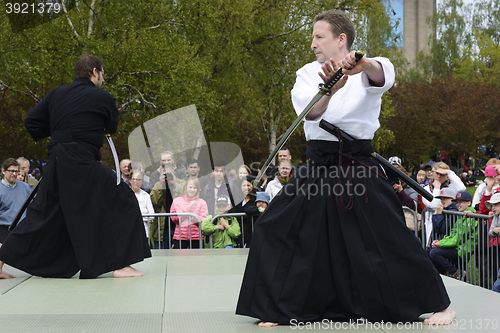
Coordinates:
[80,219]
[333,244]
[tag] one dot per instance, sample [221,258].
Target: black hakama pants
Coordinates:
[318,255]
[80,220]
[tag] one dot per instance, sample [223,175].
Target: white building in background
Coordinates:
[412,16]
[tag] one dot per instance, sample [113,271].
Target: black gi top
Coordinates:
[83,223]
[80,107]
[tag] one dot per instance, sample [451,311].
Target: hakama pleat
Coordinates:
[80,220]
[313,259]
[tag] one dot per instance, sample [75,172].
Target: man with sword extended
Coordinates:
[81,219]
[333,244]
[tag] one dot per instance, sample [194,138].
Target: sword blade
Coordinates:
[285,136]
[25,206]
[115,157]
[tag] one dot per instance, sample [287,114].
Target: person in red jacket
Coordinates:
[487,249]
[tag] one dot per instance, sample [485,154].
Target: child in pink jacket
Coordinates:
[188,202]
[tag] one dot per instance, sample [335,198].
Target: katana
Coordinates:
[332,129]
[25,205]
[323,90]
[115,157]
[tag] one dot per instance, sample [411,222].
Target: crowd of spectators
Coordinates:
[454,241]
[212,198]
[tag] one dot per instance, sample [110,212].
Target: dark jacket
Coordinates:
[442,223]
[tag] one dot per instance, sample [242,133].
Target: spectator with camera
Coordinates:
[407,195]
[162,196]
[167,158]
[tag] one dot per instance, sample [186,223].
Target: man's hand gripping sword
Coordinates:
[325,89]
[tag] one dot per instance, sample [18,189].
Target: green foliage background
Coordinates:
[236,61]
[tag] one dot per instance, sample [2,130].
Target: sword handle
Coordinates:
[326,88]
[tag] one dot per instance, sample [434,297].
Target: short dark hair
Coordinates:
[9,162]
[85,65]
[219,163]
[192,161]
[285,148]
[339,23]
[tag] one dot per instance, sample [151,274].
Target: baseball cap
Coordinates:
[430,164]
[222,200]
[446,193]
[490,171]
[263,196]
[463,195]
[395,160]
[495,198]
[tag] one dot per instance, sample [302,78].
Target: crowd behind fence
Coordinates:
[480,258]
[169,225]
[479,264]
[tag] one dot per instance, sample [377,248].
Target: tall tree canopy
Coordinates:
[235,60]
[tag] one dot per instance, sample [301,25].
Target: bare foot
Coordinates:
[267,324]
[444,317]
[127,272]
[4,275]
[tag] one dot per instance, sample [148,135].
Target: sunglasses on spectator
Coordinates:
[137,180]
[12,171]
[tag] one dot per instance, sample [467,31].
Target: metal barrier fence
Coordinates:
[161,244]
[479,259]
[478,263]
[167,243]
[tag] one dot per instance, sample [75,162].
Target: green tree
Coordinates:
[235,61]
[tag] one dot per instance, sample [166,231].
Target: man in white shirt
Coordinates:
[333,243]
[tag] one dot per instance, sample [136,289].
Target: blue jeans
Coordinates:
[445,259]
[496,286]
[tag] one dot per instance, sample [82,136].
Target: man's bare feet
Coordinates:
[444,317]
[267,324]
[4,275]
[127,272]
